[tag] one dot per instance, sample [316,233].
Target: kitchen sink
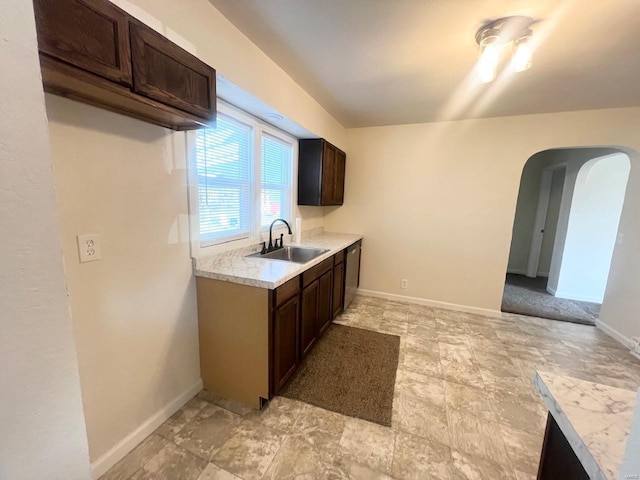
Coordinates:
[292,254]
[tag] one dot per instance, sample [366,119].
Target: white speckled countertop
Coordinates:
[595,419]
[236,267]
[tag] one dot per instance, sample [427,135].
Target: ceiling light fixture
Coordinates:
[493,34]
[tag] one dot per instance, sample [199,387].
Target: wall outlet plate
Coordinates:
[404,283]
[89,247]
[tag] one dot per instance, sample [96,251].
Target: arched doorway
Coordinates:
[564,232]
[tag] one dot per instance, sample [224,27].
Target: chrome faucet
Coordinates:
[272,246]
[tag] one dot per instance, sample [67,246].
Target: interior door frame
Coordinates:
[539,223]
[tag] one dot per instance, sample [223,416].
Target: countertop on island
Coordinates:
[236,267]
[595,419]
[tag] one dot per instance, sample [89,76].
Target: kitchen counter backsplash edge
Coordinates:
[234,266]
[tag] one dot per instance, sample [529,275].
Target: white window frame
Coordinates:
[257,233]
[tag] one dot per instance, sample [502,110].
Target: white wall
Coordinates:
[42,430]
[571,159]
[436,202]
[593,227]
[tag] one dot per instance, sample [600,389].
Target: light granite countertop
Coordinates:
[596,420]
[236,267]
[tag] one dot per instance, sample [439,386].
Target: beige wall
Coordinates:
[231,53]
[436,202]
[620,306]
[42,430]
[134,311]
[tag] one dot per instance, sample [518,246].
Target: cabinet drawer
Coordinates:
[93,36]
[285,291]
[338,257]
[165,72]
[314,272]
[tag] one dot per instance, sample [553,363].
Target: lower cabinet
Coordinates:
[303,309]
[316,310]
[325,297]
[286,320]
[338,289]
[309,316]
[252,339]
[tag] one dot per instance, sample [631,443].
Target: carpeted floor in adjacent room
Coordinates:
[529,296]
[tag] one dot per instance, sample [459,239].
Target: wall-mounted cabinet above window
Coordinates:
[96,53]
[321,169]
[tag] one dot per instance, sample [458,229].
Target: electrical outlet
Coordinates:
[404,283]
[89,247]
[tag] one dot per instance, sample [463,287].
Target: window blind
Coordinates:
[224,164]
[276,161]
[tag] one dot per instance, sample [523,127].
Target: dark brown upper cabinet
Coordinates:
[96,53]
[321,168]
[165,72]
[93,36]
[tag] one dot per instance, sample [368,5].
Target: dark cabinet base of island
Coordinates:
[558,460]
[253,339]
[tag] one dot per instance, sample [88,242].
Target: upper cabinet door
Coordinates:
[167,73]
[328,174]
[341,161]
[93,36]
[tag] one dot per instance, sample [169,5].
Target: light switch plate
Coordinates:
[89,247]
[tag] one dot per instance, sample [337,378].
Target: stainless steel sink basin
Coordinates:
[292,254]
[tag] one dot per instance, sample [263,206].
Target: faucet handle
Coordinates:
[281,240]
[264,248]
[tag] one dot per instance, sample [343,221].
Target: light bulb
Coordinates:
[521,56]
[488,63]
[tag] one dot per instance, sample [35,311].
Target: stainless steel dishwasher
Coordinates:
[352,277]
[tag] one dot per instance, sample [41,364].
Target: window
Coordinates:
[225,180]
[243,174]
[276,180]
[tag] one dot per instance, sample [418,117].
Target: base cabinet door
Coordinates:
[338,289]
[325,294]
[309,316]
[285,342]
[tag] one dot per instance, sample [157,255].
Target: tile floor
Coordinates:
[464,407]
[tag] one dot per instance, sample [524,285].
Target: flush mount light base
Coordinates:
[504,30]
[516,30]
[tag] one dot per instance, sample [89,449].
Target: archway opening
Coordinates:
[564,233]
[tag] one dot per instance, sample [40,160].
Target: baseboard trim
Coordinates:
[616,335]
[552,291]
[124,446]
[517,271]
[580,298]
[430,303]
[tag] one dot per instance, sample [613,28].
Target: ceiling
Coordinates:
[386,62]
